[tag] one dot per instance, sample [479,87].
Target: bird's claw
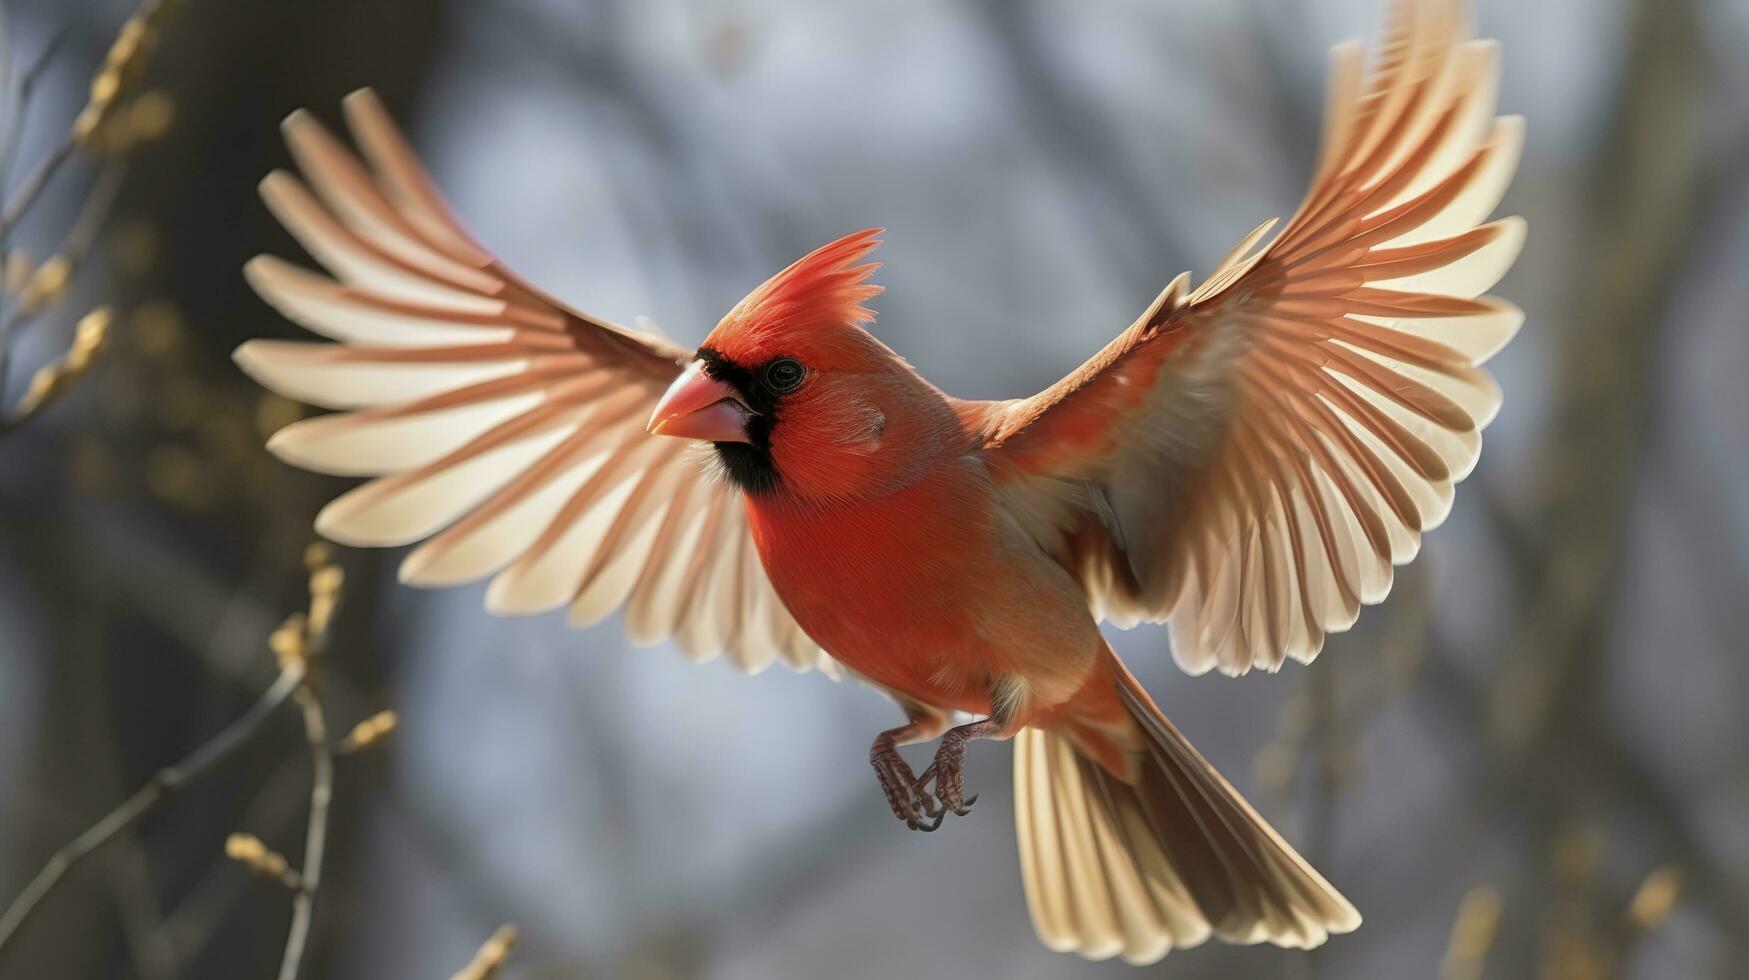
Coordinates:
[931,806]
[929,826]
[947,772]
[905,793]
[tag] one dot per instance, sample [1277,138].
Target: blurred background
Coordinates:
[1532,761]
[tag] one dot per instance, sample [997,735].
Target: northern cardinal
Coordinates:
[1247,461]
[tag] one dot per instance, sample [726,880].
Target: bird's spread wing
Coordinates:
[1250,459]
[504,429]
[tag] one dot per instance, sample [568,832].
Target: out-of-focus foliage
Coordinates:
[1528,762]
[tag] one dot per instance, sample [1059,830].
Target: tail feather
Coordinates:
[1112,868]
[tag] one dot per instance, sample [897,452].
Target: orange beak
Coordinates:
[697,406]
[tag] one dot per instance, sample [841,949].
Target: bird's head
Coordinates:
[794,394]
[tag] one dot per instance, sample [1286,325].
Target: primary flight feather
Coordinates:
[1246,463]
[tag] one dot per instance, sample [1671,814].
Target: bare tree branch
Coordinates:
[164,784]
[316,834]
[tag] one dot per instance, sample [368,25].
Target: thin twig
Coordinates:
[95,211]
[80,236]
[162,786]
[190,925]
[32,188]
[125,59]
[14,127]
[31,75]
[78,241]
[316,834]
[142,920]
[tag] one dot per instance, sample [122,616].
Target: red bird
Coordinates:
[1247,461]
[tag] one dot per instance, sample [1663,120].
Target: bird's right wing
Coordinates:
[504,429]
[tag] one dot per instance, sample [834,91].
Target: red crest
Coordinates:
[818,294]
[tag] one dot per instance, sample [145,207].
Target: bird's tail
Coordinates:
[1158,859]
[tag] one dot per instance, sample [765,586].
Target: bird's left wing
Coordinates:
[1249,460]
[500,424]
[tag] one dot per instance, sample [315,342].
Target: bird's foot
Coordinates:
[911,803]
[947,772]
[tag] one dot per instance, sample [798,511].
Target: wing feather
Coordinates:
[504,429]
[1274,442]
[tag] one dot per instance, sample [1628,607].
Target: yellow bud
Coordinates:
[46,284]
[1655,898]
[52,379]
[251,853]
[290,642]
[327,580]
[246,848]
[89,335]
[104,86]
[42,384]
[319,553]
[369,731]
[492,956]
[125,54]
[127,40]
[85,124]
[321,612]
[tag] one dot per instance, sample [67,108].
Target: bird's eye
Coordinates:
[784,374]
